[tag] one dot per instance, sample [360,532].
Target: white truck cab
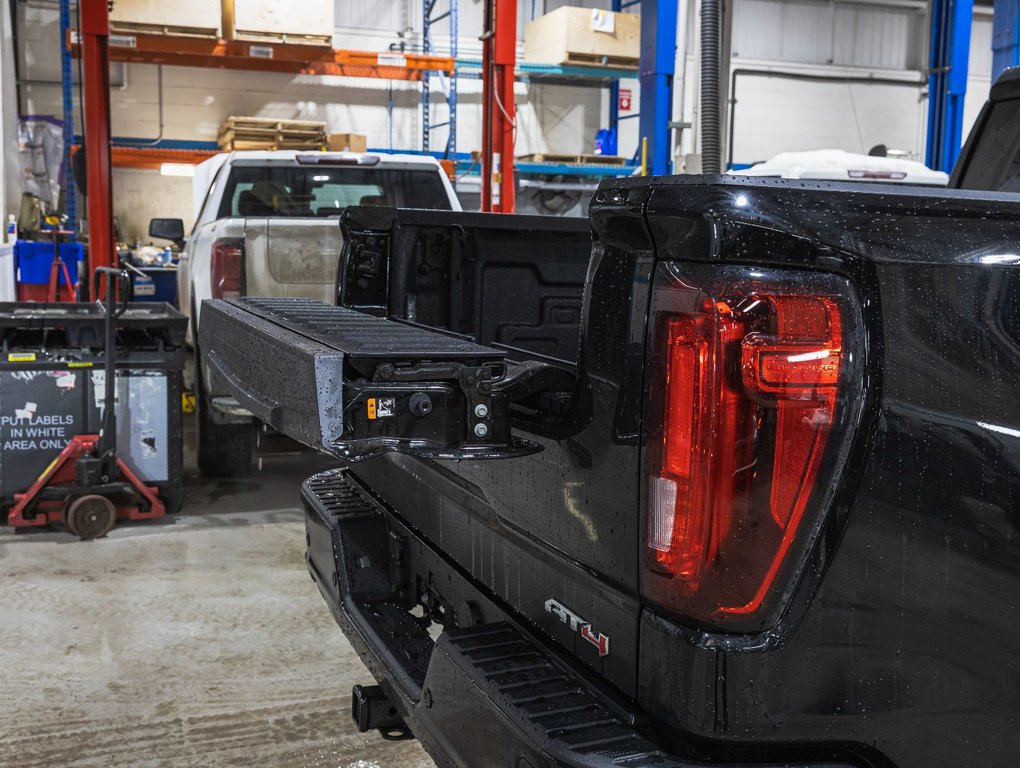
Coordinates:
[837,165]
[267,224]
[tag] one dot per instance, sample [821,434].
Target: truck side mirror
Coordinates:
[167,229]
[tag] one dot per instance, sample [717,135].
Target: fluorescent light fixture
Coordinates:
[177,169]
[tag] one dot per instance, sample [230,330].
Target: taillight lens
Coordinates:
[757,386]
[227,267]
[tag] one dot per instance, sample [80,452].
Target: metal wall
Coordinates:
[812,32]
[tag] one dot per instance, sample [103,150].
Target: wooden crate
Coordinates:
[239,133]
[180,17]
[309,22]
[572,35]
[565,159]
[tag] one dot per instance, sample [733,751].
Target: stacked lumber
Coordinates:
[239,133]
[566,159]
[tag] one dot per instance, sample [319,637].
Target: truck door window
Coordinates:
[293,192]
[995,163]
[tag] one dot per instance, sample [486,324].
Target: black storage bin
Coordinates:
[52,387]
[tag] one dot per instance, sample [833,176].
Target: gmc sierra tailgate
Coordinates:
[546,531]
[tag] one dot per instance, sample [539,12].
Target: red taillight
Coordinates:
[754,375]
[227,268]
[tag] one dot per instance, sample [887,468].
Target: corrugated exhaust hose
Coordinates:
[711,149]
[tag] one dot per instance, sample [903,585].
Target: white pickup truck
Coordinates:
[268,225]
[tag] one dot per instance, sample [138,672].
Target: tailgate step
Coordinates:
[355,385]
[364,336]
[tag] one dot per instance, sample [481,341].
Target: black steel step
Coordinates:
[549,701]
[355,385]
[358,334]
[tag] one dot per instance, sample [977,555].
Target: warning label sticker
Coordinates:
[381,407]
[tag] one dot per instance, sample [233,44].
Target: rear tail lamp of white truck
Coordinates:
[227,267]
[757,389]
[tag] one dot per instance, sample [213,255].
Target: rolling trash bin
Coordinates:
[52,392]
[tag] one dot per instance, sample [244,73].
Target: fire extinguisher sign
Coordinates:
[623,99]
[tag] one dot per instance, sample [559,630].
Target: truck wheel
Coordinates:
[224,450]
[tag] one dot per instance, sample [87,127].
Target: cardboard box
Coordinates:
[309,22]
[197,18]
[347,142]
[584,37]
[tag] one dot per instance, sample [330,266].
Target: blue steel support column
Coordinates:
[451,99]
[614,89]
[67,88]
[426,76]
[947,83]
[1005,36]
[427,47]
[658,55]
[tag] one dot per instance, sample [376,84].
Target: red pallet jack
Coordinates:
[87,487]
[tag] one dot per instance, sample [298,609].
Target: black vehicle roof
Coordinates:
[1007,86]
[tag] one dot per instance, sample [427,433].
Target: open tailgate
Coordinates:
[355,385]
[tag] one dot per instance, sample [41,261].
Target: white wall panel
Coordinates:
[980,64]
[816,32]
[882,38]
[371,14]
[778,115]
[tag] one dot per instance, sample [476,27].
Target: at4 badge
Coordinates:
[577,624]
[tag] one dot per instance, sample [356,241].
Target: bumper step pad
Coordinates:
[547,701]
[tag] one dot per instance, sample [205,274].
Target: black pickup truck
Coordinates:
[728,475]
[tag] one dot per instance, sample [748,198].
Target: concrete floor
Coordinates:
[195,641]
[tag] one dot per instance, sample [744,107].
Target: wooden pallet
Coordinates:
[596,60]
[562,159]
[240,133]
[132,28]
[245,144]
[236,121]
[283,38]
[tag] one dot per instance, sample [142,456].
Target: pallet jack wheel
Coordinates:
[90,517]
[68,522]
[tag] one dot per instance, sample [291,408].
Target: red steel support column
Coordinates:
[95,32]
[499,58]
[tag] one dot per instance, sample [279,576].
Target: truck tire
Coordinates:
[224,450]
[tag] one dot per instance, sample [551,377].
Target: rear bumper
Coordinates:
[484,694]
